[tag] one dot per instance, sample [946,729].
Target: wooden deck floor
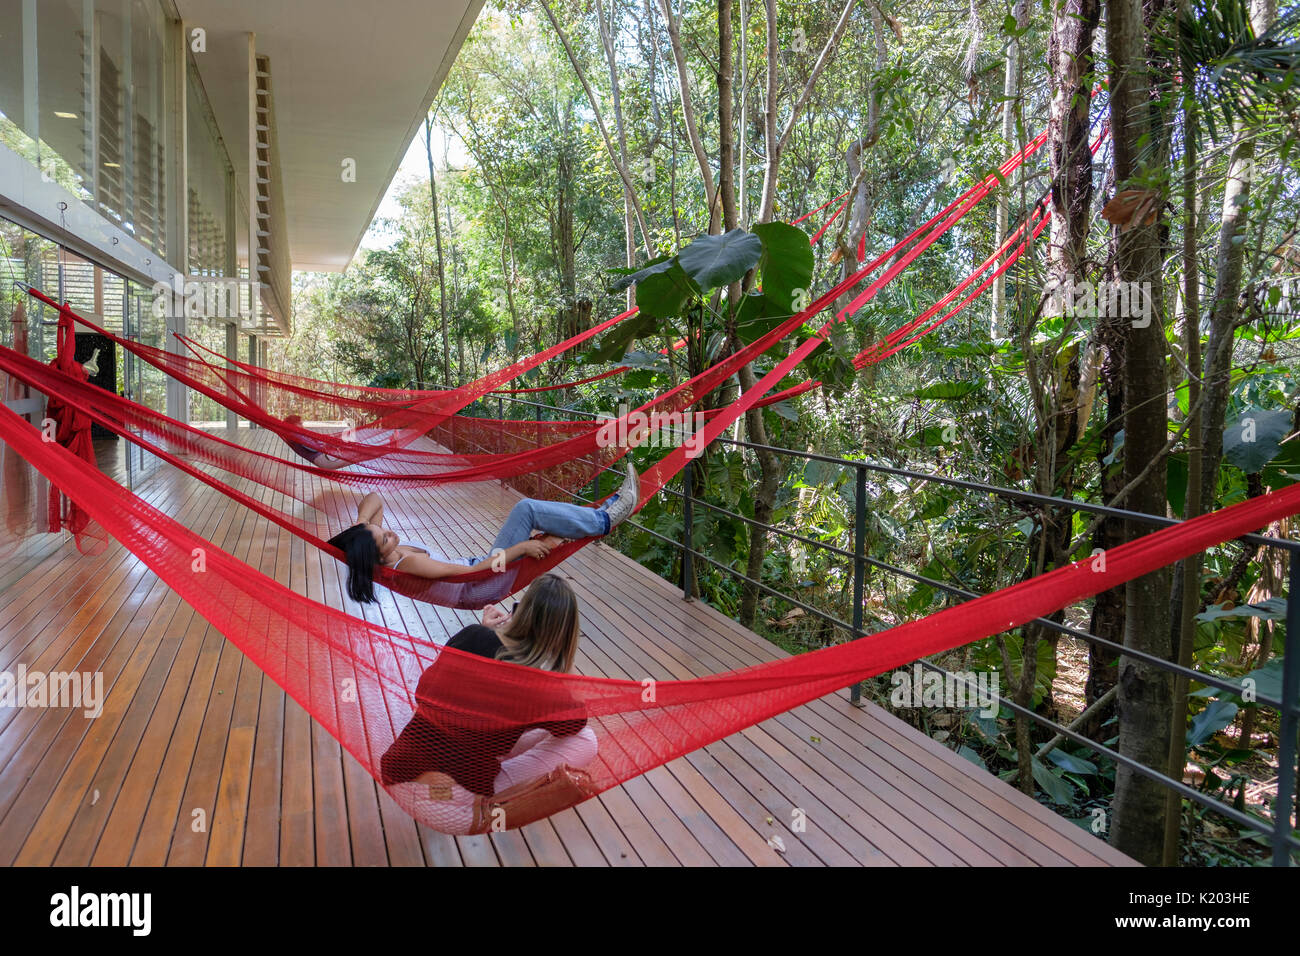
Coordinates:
[198,759]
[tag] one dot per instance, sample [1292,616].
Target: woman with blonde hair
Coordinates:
[461,758]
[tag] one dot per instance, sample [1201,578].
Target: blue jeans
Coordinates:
[551,517]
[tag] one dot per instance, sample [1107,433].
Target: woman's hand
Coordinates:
[534,548]
[493,616]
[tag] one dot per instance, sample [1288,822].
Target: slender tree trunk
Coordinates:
[1228,262]
[629,200]
[744,114]
[853,230]
[1058,424]
[1108,610]
[672,22]
[769,464]
[618,159]
[437,233]
[1188,589]
[774,141]
[1010,86]
[565,248]
[1145,691]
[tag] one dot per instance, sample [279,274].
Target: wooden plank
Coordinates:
[127,710]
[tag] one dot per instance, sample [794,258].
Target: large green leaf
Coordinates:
[628,277]
[786,265]
[619,339]
[1268,679]
[715,261]
[1284,468]
[1217,715]
[1059,790]
[1176,483]
[1071,763]
[1255,438]
[665,293]
[757,316]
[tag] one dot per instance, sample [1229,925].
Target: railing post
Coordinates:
[859,563]
[538,478]
[1288,724]
[501,425]
[688,520]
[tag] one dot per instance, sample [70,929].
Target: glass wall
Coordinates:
[85,97]
[211,182]
[130,117]
[121,306]
[82,98]
[16,112]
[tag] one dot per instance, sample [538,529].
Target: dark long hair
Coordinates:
[362,556]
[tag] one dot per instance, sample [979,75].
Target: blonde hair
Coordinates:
[544,630]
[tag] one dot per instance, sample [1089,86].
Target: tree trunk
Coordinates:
[1228,261]
[1010,86]
[1188,583]
[566,251]
[1145,691]
[630,206]
[437,235]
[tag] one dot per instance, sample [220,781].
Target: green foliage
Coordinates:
[534,221]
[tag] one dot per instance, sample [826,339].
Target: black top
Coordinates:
[476,639]
[464,725]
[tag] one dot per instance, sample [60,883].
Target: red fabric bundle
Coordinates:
[72,431]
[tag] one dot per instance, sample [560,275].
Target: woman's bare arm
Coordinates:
[423,566]
[370,510]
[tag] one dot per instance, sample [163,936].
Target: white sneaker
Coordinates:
[625,502]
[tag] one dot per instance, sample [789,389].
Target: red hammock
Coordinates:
[360,680]
[415,465]
[390,424]
[578,459]
[122,416]
[231,387]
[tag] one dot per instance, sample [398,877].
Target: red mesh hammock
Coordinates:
[573,461]
[387,426]
[478,588]
[404,707]
[257,396]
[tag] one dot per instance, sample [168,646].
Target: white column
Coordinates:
[178,243]
[254,358]
[232,350]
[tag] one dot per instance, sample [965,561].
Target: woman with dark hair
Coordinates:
[368,544]
[458,755]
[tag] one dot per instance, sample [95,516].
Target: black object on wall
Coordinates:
[106,378]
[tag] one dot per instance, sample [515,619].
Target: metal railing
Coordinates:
[1280,831]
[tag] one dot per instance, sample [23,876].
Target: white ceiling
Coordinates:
[349,79]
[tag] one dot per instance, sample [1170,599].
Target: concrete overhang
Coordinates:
[351,81]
